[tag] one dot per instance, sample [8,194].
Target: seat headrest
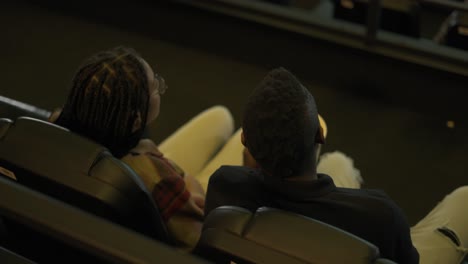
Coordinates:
[230,218]
[290,234]
[296,235]
[43,145]
[111,170]
[51,159]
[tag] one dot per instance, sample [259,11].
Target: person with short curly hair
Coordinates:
[281,133]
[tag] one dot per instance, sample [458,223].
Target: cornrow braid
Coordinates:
[108,94]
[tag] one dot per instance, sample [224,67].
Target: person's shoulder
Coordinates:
[364,193]
[374,200]
[385,221]
[381,196]
[148,147]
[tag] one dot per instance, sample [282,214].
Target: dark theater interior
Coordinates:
[390,78]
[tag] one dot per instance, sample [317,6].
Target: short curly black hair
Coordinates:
[280,124]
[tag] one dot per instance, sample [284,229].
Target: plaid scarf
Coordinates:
[181,207]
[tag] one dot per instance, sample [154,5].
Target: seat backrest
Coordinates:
[399,16]
[10,108]
[73,169]
[275,236]
[50,231]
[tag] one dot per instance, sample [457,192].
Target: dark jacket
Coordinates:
[368,214]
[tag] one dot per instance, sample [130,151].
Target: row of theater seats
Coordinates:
[60,192]
[37,228]
[398,16]
[403,17]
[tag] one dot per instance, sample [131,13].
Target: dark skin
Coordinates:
[249,160]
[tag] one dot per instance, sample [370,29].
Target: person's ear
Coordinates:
[137,123]
[320,137]
[243,139]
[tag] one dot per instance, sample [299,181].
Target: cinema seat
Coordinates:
[275,236]
[51,231]
[73,169]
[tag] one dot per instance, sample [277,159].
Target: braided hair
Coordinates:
[108,94]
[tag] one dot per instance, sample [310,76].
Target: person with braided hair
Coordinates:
[113,97]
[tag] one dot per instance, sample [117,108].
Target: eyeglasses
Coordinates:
[162,87]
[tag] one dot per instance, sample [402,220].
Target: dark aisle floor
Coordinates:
[406,150]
